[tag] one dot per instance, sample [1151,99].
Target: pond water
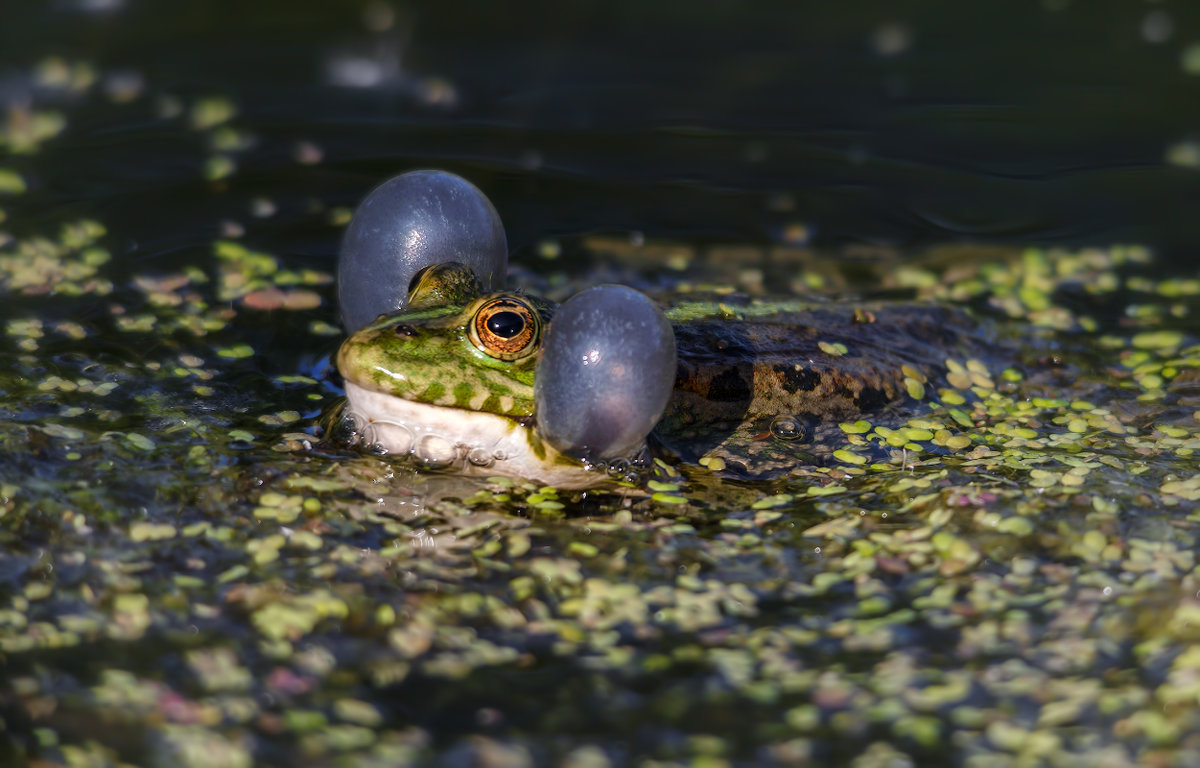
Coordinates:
[1002,574]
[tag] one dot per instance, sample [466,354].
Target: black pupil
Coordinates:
[506,324]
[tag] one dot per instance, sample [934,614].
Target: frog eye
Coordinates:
[505,328]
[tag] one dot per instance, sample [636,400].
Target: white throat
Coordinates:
[469,442]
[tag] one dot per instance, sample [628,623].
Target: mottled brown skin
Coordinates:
[736,377]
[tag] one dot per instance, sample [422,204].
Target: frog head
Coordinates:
[452,347]
[484,383]
[449,380]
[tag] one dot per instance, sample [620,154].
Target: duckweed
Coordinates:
[1002,572]
[11,182]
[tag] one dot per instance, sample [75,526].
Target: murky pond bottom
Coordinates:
[1004,575]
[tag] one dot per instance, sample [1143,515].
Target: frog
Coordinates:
[757,387]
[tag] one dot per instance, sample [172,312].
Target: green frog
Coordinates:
[755,389]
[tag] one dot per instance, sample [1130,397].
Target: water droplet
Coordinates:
[618,467]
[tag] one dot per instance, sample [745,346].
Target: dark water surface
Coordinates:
[1002,574]
[879,123]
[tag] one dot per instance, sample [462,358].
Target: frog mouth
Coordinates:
[454,439]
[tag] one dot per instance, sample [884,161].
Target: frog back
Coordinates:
[765,389]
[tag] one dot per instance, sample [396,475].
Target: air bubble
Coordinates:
[787,428]
[436,452]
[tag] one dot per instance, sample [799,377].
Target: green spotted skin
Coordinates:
[426,355]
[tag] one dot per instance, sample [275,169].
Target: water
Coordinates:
[188,578]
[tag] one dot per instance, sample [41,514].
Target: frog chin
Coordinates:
[454,439]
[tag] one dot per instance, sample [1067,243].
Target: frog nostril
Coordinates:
[404,330]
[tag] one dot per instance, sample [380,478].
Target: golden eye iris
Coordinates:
[505,328]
